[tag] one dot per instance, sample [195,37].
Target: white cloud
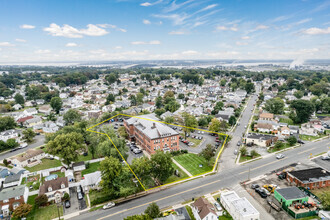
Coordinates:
[71,32]
[6,44]
[146,4]
[245,37]
[224,28]
[42,51]
[118,47]
[175,18]
[71,45]
[316,31]
[27,26]
[189,52]
[20,40]
[145,21]
[176,33]
[261,27]
[241,43]
[154,42]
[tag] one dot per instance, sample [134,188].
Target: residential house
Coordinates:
[55,189]
[91,181]
[266,116]
[49,127]
[60,121]
[166,114]
[30,111]
[11,198]
[261,140]
[151,135]
[9,134]
[30,158]
[313,178]
[17,107]
[203,210]
[40,101]
[45,109]
[78,166]
[36,120]
[4,172]
[308,129]
[12,180]
[238,208]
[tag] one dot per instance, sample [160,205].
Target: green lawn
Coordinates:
[191,163]
[310,138]
[92,168]
[46,164]
[272,149]
[246,158]
[48,212]
[287,120]
[84,158]
[174,177]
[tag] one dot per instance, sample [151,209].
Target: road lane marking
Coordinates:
[262,166]
[157,200]
[306,150]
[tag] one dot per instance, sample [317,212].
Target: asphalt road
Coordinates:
[39,140]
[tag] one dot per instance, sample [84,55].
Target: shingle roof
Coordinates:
[151,129]
[12,192]
[55,184]
[12,178]
[291,193]
[203,207]
[29,154]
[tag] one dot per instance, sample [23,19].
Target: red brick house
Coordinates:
[152,135]
[313,178]
[11,198]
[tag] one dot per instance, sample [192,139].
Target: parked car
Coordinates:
[254,186]
[79,195]
[280,156]
[236,152]
[218,206]
[300,142]
[78,189]
[137,151]
[239,143]
[109,205]
[325,158]
[67,204]
[261,192]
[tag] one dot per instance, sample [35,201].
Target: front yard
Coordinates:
[246,158]
[173,178]
[272,149]
[46,164]
[192,162]
[47,213]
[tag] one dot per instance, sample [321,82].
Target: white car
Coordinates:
[280,156]
[109,205]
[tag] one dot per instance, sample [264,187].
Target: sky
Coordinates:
[107,30]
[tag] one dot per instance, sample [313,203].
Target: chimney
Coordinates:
[153,125]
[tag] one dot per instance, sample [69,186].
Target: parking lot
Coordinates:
[76,204]
[325,164]
[272,179]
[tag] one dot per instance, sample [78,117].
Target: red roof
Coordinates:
[24,119]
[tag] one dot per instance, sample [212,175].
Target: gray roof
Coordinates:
[152,129]
[291,193]
[12,192]
[13,178]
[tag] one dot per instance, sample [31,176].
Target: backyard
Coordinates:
[46,164]
[92,168]
[192,162]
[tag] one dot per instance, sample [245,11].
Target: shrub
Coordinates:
[41,200]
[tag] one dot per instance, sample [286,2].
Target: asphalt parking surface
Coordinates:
[325,164]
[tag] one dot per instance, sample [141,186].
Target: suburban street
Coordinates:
[208,184]
[39,140]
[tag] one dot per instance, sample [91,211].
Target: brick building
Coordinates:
[152,135]
[11,198]
[313,178]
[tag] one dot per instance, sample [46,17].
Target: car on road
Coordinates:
[109,205]
[218,206]
[239,143]
[245,126]
[14,149]
[236,152]
[325,158]
[67,204]
[79,195]
[280,156]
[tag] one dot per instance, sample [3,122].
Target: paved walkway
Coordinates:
[184,170]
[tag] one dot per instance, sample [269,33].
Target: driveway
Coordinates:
[74,202]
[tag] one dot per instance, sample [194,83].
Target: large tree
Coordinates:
[208,152]
[303,109]
[66,146]
[7,122]
[28,135]
[275,105]
[153,211]
[142,167]
[215,125]
[161,166]
[110,98]
[218,106]
[71,116]
[56,104]
[22,210]
[19,99]
[111,169]
[190,123]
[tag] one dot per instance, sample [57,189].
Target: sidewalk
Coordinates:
[181,167]
[241,192]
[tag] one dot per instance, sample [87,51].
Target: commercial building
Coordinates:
[261,140]
[152,135]
[313,178]
[289,196]
[238,208]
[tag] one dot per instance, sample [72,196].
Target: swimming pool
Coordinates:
[51,177]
